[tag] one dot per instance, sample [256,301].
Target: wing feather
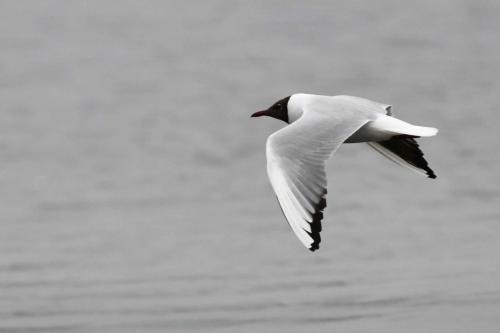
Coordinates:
[296,160]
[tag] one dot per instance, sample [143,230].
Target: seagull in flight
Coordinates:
[317,126]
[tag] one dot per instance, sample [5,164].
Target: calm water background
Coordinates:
[133,192]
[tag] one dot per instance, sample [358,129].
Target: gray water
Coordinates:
[133,192]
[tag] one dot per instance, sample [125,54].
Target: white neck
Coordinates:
[296,105]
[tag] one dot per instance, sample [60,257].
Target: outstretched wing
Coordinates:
[296,159]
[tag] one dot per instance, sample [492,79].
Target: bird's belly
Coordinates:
[368,133]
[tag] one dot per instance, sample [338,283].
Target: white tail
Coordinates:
[395,126]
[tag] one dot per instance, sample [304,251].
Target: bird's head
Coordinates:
[278,110]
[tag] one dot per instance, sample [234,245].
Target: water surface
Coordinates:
[133,193]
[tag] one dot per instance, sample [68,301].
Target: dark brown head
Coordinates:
[278,110]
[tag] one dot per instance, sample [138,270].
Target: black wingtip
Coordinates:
[429,172]
[407,148]
[312,249]
[316,224]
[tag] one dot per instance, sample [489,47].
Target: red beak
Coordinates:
[260,113]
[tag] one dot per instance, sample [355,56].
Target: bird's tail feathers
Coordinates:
[396,126]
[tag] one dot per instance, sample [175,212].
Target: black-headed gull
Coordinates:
[318,125]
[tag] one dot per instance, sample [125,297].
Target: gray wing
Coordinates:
[296,160]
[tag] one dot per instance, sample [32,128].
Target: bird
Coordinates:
[317,125]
